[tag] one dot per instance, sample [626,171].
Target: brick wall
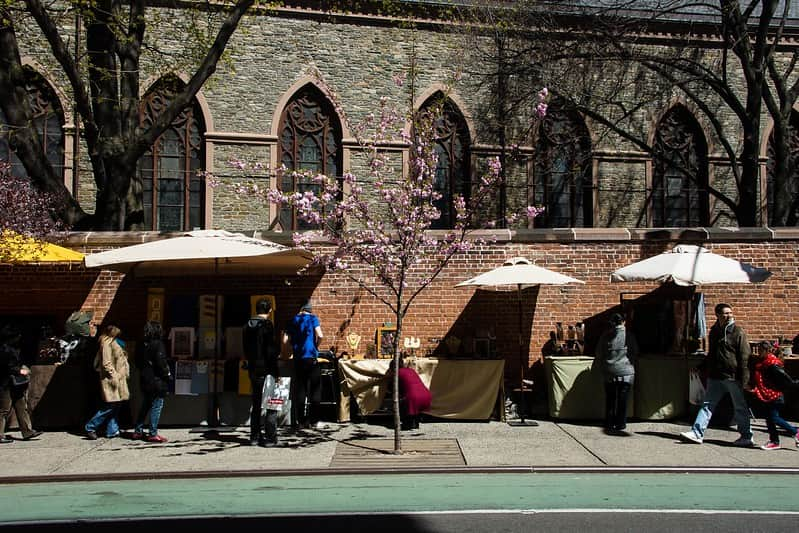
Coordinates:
[764,310]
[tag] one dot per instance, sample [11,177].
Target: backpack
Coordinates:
[260,347]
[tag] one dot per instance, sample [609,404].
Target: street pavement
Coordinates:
[509,479]
[552,445]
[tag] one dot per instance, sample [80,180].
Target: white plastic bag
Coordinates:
[696,389]
[276,397]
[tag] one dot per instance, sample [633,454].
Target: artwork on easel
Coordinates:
[386,339]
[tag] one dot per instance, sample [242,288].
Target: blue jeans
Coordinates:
[716,389]
[152,405]
[108,411]
[773,419]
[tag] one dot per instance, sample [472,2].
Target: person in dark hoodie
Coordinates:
[616,350]
[154,377]
[727,367]
[261,350]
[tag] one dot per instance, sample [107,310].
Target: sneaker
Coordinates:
[158,439]
[690,435]
[112,435]
[91,435]
[32,435]
[137,435]
[743,442]
[770,446]
[6,440]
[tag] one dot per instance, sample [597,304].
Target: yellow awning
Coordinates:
[16,248]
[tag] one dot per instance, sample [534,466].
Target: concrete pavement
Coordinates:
[484,445]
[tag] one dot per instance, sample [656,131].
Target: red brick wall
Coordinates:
[764,310]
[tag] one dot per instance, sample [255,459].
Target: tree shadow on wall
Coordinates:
[495,316]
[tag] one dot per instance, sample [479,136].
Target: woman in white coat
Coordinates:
[111,363]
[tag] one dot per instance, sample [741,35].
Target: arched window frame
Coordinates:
[48,117]
[183,207]
[793,182]
[307,121]
[562,181]
[453,144]
[679,196]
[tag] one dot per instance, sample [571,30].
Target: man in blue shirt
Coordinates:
[305,333]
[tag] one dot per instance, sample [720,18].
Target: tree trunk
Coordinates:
[395,377]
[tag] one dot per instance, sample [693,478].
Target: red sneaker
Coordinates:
[157,439]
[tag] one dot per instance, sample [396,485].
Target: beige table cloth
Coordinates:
[465,389]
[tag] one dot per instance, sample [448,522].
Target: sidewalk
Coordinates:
[483,445]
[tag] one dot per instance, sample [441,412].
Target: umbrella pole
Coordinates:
[522,364]
[214,418]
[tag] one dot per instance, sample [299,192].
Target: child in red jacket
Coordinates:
[768,380]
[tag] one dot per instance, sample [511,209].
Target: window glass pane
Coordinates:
[680,172]
[48,122]
[179,146]
[310,139]
[452,176]
[562,170]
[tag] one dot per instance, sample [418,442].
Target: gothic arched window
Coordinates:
[562,183]
[453,145]
[789,189]
[48,119]
[679,184]
[310,139]
[171,171]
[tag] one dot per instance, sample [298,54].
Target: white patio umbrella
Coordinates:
[202,252]
[518,273]
[688,265]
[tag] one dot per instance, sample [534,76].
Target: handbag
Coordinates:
[696,389]
[276,397]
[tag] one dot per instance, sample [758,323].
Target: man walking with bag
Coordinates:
[262,353]
[727,366]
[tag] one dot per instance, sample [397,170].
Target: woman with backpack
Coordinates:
[154,377]
[768,380]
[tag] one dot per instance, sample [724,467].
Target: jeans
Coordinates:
[108,411]
[616,404]
[773,419]
[716,389]
[152,405]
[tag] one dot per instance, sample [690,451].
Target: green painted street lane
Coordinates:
[394,493]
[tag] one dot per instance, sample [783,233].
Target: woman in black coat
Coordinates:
[154,377]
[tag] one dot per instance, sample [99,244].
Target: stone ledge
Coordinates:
[98,239]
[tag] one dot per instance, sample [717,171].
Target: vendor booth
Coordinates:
[467,389]
[669,324]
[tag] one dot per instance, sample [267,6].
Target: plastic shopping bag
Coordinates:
[276,398]
[696,389]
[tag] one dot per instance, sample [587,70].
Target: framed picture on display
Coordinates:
[386,339]
[182,342]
